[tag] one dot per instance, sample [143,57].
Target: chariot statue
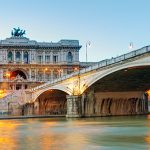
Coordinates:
[17,32]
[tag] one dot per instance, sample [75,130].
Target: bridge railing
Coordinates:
[101,64]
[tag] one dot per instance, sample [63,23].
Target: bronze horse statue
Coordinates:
[16,32]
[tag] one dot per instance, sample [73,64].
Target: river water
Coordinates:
[106,133]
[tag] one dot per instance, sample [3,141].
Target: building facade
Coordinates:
[26,63]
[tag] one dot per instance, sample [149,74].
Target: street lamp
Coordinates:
[131,45]
[88,44]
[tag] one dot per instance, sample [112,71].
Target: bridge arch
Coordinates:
[60,88]
[122,91]
[101,74]
[51,102]
[19,71]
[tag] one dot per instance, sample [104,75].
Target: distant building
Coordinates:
[26,63]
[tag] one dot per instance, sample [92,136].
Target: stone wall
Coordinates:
[28,109]
[115,103]
[11,103]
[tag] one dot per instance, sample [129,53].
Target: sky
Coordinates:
[110,25]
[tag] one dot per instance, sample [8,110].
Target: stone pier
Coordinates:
[74,106]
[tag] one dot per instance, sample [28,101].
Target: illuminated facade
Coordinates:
[26,63]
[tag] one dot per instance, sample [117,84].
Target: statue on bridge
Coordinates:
[17,32]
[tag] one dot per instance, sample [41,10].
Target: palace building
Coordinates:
[26,63]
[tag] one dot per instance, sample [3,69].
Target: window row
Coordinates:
[17,57]
[54,58]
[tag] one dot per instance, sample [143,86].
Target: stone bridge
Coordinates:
[116,86]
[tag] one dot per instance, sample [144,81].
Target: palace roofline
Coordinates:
[23,42]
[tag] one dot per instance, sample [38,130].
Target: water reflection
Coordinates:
[8,135]
[114,133]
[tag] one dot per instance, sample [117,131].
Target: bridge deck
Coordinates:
[100,64]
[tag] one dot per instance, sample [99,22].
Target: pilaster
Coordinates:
[29,74]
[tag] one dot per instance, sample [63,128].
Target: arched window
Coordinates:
[10,56]
[26,58]
[70,57]
[18,56]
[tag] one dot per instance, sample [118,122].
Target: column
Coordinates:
[29,56]
[22,86]
[44,75]
[14,55]
[74,106]
[35,74]
[6,57]
[59,58]
[13,87]
[52,74]
[65,56]
[44,57]
[1,75]
[22,60]
[62,72]
[29,74]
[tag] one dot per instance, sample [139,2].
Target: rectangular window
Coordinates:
[40,59]
[40,77]
[55,59]
[47,59]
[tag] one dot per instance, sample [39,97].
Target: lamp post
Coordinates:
[130,46]
[88,44]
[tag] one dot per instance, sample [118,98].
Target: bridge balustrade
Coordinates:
[117,59]
[141,51]
[109,61]
[99,64]
[130,55]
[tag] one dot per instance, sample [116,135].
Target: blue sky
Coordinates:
[110,25]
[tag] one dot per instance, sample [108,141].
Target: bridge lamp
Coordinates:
[88,44]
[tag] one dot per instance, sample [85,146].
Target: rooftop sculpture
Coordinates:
[17,32]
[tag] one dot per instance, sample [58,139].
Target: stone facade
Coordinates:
[26,63]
